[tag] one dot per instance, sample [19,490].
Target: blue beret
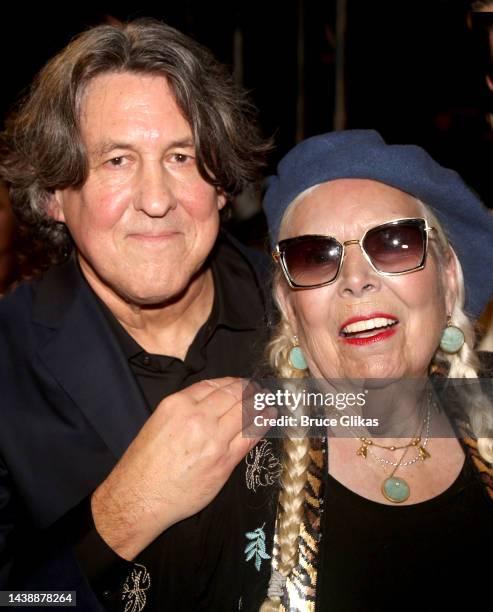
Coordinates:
[364,154]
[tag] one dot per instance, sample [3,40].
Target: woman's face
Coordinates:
[417,303]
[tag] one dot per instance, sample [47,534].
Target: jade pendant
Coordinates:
[395,489]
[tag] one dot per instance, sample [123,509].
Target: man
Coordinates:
[124,152]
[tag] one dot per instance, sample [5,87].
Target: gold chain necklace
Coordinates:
[395,488]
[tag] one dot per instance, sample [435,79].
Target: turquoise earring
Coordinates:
[296,357]
[452,338]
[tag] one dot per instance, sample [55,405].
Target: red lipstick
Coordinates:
[383,335]
[382,326]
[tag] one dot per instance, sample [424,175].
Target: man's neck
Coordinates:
[164,329]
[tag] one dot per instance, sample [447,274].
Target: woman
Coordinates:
[370,288]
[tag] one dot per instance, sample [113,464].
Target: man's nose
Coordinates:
[357,277]
[155,195]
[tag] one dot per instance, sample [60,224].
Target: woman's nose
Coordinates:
[357,276]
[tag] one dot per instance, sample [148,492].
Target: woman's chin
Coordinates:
[373,368]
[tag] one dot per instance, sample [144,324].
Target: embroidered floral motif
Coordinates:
[256,546]
[136,584]
[263,467]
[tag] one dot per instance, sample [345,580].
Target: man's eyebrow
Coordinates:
[106,146]
[103,148]
[183,143]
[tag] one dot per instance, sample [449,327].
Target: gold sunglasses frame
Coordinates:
[278,254]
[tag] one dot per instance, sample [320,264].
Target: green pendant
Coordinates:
[395,489]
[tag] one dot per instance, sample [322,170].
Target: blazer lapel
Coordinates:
[84,357]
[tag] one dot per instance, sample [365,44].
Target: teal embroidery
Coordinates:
[256,546]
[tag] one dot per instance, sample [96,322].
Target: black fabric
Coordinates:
[230,343]
[425,556]
[201,564]
[188,566]
[70,407]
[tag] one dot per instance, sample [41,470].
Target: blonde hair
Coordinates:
[463,364]
[296,461]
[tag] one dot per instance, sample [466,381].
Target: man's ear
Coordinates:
[221,200]
[450,274]
[284,296]
[489,82]
[55,206]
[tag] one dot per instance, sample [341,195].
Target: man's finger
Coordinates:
[225,397]
[241,421]
[200,390]
[240,446]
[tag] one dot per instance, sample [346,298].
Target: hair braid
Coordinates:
[295,468]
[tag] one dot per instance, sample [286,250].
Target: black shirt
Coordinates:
[195,564]
[230,343]
[425,556]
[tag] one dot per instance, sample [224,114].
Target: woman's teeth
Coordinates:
[368,327]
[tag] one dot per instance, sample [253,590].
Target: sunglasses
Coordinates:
[393,248]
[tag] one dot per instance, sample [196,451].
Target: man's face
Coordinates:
[145,220]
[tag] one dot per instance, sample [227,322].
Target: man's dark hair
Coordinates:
[41,147]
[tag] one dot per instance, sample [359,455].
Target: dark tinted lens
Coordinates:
[396,248]
[311,260]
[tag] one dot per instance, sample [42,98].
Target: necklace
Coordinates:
[395,488]
[421,454]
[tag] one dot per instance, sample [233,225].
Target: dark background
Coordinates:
[412,70]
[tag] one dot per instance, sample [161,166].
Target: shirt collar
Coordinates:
[236,305]
[238,301]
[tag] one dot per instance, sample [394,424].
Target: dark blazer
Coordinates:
[69,408]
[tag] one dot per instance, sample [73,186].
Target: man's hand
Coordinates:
[175,466]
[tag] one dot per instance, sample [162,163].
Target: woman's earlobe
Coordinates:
[451,281]
[285,305]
